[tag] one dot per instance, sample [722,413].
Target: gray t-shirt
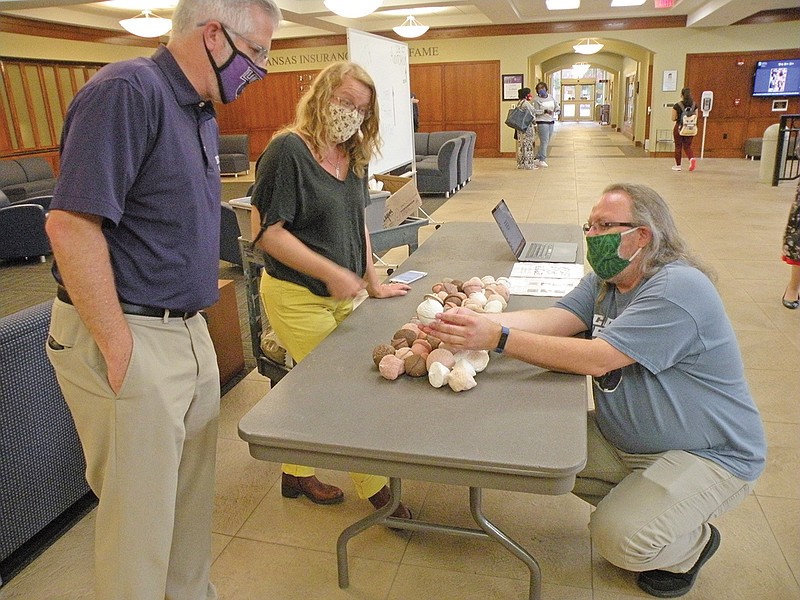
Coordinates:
[326,214]
[686,390]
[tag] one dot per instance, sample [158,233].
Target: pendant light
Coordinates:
[411,28]
[147,25]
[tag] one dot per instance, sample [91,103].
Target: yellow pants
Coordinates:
[301,320]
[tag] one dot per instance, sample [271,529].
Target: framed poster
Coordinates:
[511,86]
[670,82]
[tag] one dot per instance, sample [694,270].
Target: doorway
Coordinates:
[577,101]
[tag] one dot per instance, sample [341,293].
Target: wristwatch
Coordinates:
[501,344]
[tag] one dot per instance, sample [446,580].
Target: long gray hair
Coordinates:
[667,245]
[190,13]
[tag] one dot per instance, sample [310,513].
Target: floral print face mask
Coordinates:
[343,122]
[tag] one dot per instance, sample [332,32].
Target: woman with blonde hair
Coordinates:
[308,218]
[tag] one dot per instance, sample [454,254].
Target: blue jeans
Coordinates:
[545,130]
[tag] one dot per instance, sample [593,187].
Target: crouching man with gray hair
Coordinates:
[675,439]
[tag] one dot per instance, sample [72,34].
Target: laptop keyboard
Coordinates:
[539,251]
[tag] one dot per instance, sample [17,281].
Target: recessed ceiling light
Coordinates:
[627,2]
[562,4]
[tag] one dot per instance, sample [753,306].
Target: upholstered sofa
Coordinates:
[438,174]
[23,178]
[234,154]
[436,157]
[42,467]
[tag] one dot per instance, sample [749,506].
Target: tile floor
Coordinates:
[269,547]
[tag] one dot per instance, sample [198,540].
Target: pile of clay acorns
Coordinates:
[416,354]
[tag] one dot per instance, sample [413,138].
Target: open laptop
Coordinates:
[561,252]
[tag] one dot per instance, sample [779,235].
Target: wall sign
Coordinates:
[670,82]
[511,86]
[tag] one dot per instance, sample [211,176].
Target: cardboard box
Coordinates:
[404,199]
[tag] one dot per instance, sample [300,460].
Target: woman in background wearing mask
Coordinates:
[545,108]
[308,218]
[526,140]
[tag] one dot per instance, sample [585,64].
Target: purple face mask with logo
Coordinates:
[236,73]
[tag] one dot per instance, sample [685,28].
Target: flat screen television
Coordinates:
[779,78]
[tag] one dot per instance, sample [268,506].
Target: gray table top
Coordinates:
[522,428]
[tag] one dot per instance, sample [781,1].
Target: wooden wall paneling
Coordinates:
[736,115]
[427,82]
[472,102]
[264,108]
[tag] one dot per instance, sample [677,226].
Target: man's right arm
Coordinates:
[81,251]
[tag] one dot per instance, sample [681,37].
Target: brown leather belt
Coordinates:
[135,309]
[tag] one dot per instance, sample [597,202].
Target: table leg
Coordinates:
[359,526]
[488,531]
[507,543]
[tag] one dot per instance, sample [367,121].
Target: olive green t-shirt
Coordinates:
[326,214]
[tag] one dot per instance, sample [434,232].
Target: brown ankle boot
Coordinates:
[310,487]
[381,498]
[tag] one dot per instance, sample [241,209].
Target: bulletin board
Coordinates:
[387,63]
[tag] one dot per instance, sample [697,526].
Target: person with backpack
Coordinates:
[684,113]
[526,140]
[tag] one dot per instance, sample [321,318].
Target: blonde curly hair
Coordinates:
[311,122]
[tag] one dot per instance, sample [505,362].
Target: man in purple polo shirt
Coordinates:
[134,227]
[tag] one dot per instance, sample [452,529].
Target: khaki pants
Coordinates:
[652,509]
[301,320]
[150,453]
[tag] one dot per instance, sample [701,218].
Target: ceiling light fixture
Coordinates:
[562,4]
[353,9]
[579,69]
[588,46]
[147,25]
[411,28]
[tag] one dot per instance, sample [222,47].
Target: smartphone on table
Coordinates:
[408,277]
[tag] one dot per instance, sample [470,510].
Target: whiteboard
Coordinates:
[386,61]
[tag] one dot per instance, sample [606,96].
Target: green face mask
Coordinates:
[602,252]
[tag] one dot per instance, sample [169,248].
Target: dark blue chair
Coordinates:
[22,233]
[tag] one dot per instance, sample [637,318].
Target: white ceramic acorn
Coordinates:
[461,379]
[429,308]
[476,359]
[438,374]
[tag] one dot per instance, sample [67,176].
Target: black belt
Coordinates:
[135,309]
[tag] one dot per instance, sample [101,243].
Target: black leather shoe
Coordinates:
[663,584]
[790,304]
[310,487]
[382,497]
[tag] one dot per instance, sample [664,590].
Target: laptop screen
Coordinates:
[509,227]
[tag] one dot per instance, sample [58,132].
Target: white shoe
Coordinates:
[536,163]
[676,168]
[543,164]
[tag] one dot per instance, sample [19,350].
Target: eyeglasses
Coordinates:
[364,111]
[605,225]
[259,52]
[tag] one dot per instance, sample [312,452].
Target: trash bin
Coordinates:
[605,114]
[769,148]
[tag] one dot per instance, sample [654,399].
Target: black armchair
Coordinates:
[229,235]
[43,201]
[22,232]
[234,154]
